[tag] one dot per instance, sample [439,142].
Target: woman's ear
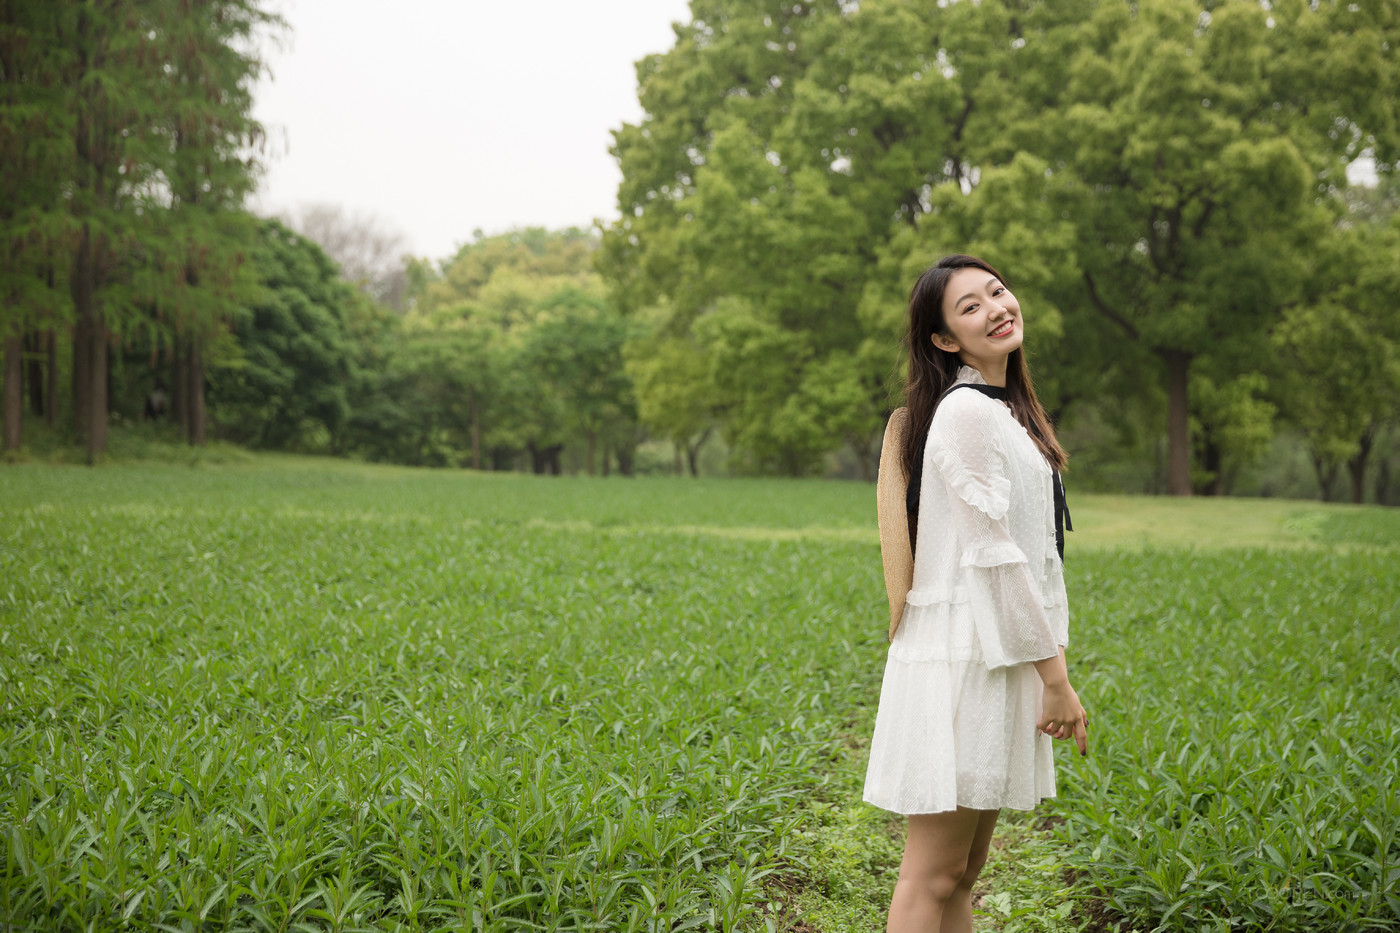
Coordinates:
[945,343]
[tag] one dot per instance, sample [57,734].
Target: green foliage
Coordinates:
[487,267]
[300,690]
[674,385]
[1339,379]
[511,348]
[1154,178]
[1236,421]
[127,135]
[289,382]
[411,698]
[780,145]
[571,357]
[1244,744]
[124,128]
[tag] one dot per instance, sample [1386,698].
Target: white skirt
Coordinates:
[950,732]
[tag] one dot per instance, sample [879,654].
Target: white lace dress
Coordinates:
[958,707]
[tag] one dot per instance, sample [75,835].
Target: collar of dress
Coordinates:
[969,375]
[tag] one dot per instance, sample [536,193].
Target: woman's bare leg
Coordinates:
[943,855]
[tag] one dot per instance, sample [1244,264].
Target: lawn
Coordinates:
[292,693]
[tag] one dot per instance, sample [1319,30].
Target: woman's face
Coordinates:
[982,318]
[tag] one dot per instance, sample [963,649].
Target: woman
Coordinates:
[975,682]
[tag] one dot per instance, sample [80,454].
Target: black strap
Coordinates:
[1063,522]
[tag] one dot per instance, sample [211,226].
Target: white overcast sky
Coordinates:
[444,116]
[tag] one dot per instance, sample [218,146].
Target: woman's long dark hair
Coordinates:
[932,370]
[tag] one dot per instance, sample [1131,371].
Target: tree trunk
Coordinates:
[195,393]
[865,459]
[1178,431]
[97,391]
[81,380]
[179,390]
[1215,486]
[89,352]
[1383,482]
[14,389]
[692,451]
[626,460]
[51,377]
[1357,464]
[592,447]
[1326,472]
[476,433]
[82,290]
[34,371]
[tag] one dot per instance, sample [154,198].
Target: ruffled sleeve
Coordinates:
[1007,604]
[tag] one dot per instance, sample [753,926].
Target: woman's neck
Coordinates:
[993,371]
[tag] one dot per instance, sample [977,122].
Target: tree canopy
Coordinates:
[1164,184]
[1155,177]
[126,129]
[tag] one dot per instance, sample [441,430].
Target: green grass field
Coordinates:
[291,693]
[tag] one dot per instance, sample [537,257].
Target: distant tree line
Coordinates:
[1164,182]
[508,353]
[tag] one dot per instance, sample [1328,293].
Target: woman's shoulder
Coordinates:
[961,407]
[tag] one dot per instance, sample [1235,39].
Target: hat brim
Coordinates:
[891,486]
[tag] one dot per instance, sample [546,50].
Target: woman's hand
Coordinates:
[1062,716]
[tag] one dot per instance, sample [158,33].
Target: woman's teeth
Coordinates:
[1001,331]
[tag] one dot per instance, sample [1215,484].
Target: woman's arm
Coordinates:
[1007,606]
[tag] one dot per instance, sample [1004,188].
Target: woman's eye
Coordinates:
[969,309]
[998,290]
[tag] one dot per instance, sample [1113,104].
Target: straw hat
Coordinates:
[890,489]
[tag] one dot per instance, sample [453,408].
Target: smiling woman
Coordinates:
[975,684]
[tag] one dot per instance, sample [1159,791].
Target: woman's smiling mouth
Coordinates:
[1003,330]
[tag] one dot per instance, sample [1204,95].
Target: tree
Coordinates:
[1235,419]
[1340,382]
[547,258]
[675,392]
[35,149]
[371,255]
[773,416]
[455,363]
[510,348]
[288,383]
[129,123]
[782,147]
[80,82]
[195,274]
[573,350]
[1188,199]
[1178,160]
